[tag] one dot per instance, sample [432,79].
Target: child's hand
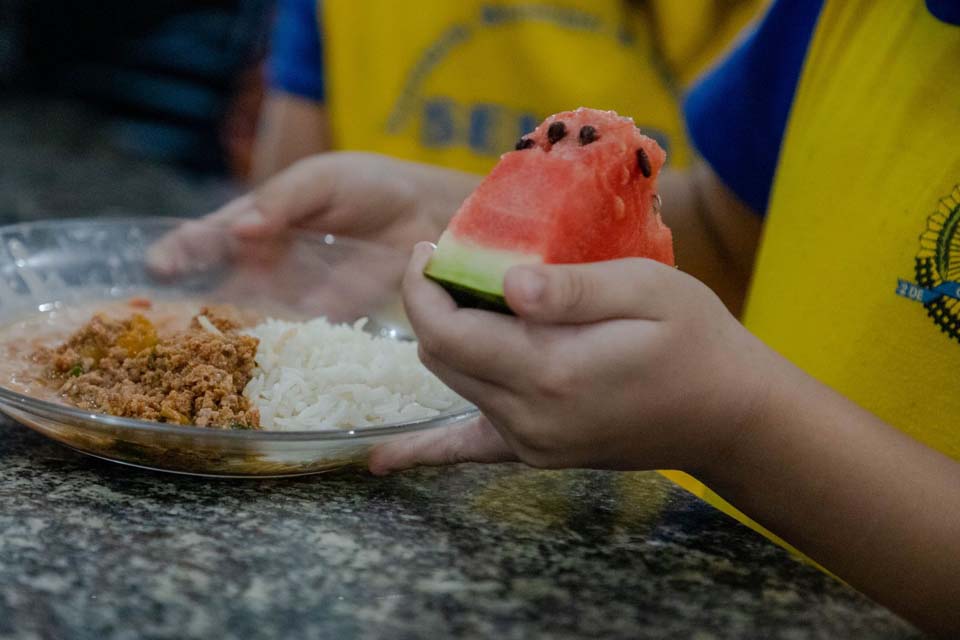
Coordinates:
[362,195]
[626,364]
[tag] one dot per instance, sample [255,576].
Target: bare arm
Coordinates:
[715,234]
[876,507]
[291,128]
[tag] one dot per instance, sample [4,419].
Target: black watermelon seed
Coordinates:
[524,143]
[643,161]
[556,132]
[588,134]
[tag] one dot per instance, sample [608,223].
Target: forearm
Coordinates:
[290,129]
[715,235]
[871,504]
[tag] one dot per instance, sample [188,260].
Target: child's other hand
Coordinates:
[626,364]
[362,195]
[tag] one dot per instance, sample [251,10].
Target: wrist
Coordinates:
[760,392]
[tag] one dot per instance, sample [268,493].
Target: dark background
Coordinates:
[175,81]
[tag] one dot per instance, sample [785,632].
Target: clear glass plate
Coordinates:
[52,264]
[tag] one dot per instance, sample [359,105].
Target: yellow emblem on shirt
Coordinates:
[937,267]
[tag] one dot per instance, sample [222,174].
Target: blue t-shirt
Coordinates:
[737,114]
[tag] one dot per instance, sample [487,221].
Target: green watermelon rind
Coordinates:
[473,274]
[467,298]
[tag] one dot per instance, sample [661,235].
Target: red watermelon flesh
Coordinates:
[580,188]
[570,202]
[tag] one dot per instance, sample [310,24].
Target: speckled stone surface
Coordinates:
[91,549]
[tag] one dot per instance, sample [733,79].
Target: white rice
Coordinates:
[316,375]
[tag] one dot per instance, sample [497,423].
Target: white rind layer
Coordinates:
[471,266]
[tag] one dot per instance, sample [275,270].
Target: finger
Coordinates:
[280,203]
[482,344]
[485,394]
[193,242]
[233,210]
[633,288]
[193,246]
[475,441]
[285,199]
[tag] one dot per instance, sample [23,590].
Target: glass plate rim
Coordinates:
[57,411]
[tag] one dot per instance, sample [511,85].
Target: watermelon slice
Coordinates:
[581,188]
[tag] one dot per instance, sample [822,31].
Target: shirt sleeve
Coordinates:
[945,10]
[736,115]
[296,54]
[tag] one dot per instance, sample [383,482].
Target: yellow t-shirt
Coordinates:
[458,83]
[857,277]
[866,196]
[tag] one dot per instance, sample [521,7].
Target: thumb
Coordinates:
[581,293]
[474,441]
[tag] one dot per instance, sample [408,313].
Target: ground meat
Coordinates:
[224,318]
[122,367]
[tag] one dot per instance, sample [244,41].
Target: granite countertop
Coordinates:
[92,549]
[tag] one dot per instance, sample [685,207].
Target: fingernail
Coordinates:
[247,219]
[422,251]
[531,285]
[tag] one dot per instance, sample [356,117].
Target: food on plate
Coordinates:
[183,363]
[124,367]
[580,188]
[318,375]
